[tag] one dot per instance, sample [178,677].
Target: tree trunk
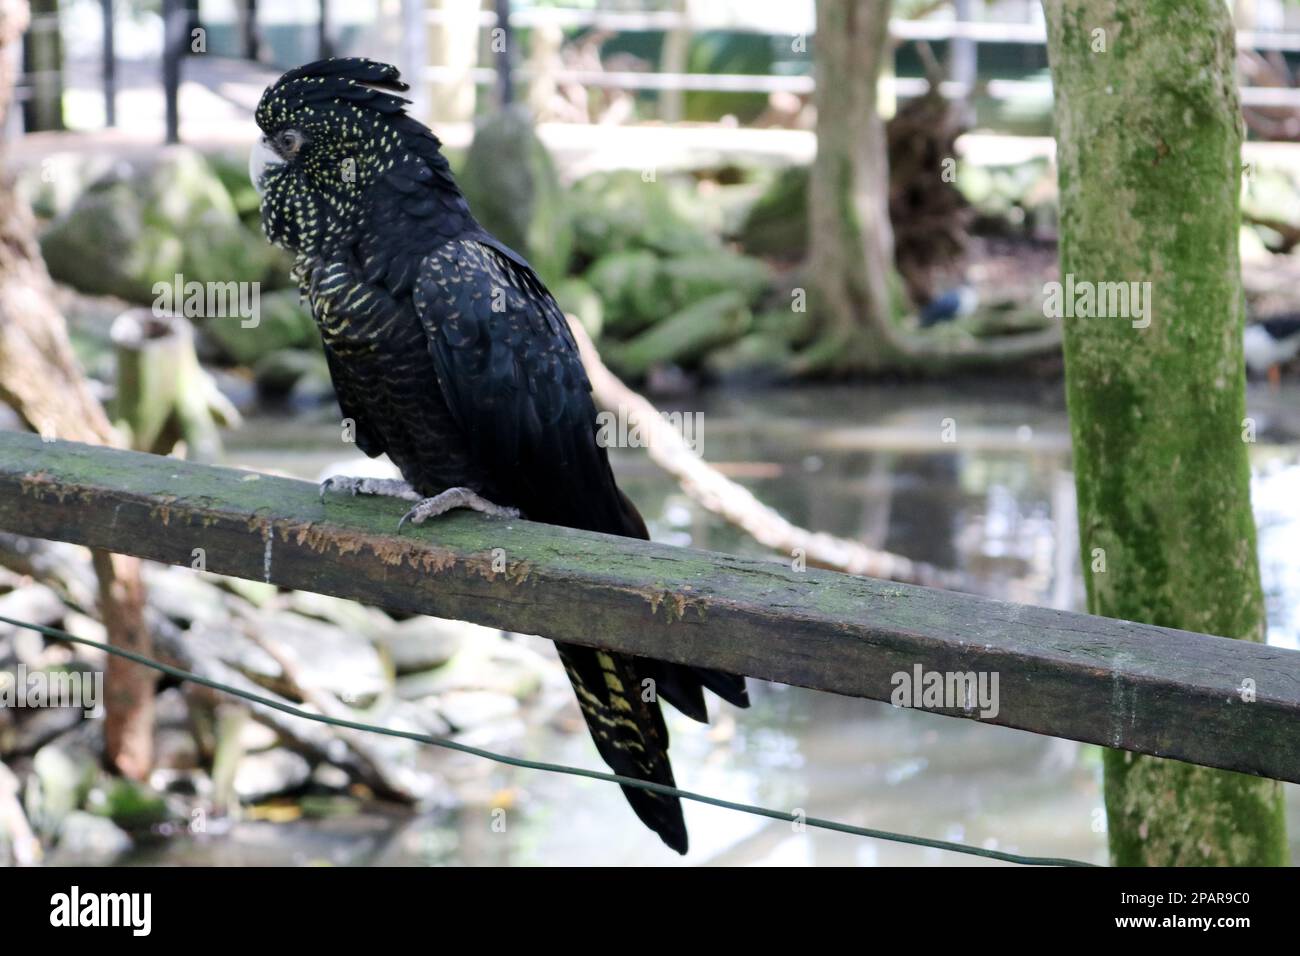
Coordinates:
[1149,154]
[40,378]
[856,297]
[852,243]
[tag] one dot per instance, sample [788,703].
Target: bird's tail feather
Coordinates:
[629,732]
[681,685]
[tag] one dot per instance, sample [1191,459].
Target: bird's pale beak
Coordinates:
[261,157]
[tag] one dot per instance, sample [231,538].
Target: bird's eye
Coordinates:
[288,142]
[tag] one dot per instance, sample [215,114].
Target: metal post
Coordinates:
[109,65]
[504,58]
[324,48]
[175,18]
[963,59]
[251,41]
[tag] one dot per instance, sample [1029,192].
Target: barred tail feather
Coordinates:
[629,733]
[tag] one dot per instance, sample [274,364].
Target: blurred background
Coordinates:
[661,163]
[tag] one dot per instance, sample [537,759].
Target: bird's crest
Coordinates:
[352,79]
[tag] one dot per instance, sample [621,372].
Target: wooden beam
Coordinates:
[1147,689]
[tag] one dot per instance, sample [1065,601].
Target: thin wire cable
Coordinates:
[551,767]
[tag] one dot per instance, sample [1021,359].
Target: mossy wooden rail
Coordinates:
[1141,688]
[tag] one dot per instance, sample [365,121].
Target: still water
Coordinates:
[870,463]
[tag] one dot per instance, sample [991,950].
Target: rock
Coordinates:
[171,709]
[61,777]
[777,223]
[86,839]
[685,337]
[279,371]
[628,285]
[495,664]
[329,777]
[132,229]
[232,171]
[174,749]
[424,643]
[272,772]
[187,598]
[36,604]
[757,355]
[520,199]
[256,593]
[39,727]
[367,622]
[328,657]
[132,805]
[84,626]
[52,186]
[283,322]
[314,389]
[466,709]
[255,737]
[689,279]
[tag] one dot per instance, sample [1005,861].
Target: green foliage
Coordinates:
[719,52]
[621,210]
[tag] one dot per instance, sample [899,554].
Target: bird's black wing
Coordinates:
[351,404]
[510,373]
[512,378]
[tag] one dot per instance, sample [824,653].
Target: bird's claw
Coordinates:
[386,487]
[455,498]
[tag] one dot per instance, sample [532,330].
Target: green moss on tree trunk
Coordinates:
[1149,155]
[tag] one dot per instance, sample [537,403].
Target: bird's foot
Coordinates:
[388,487]
[455,498]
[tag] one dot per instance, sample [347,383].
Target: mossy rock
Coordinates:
[688,279]
[777,223]
[628,285]
[283,323]
[52,186]
[133,229]
[685,337]
[232,171]
[278,372]
[756,355]
[131,805]
[513,189]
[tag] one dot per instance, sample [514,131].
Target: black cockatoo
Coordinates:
[449,355]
